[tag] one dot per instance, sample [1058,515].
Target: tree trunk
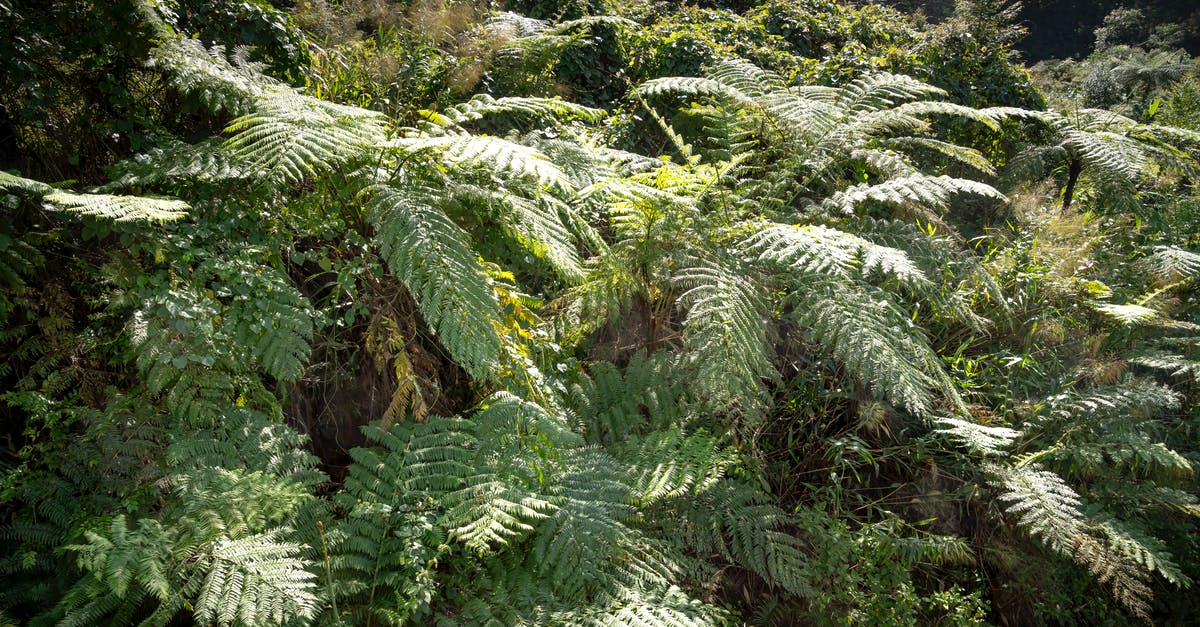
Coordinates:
[1074,169]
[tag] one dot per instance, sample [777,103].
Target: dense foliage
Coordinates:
[593,313]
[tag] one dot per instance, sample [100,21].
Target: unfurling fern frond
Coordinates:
[429,253]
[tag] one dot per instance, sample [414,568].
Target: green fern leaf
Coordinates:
[429,253]
[290,137]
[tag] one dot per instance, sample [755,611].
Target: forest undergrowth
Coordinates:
[379,312]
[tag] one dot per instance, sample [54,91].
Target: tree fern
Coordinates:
[1110,148]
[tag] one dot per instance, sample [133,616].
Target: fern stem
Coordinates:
[328,570]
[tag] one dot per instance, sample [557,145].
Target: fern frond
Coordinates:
[505,412]
[746,78]
[613,404]
[578,548]
[116,208]
[1144,456]
[861,328]
[921,191]
[12,183]
[726,336]
[490,514]
[247,440]
[536,224]
[483,105]
[380,566]
[823,251]
[889,163]
[1173,363]
[879,91]
[966,156]
[290,136]
[1045,506]
[234,503]
[741,524]
[1173,262]
[1136,394]
[255,580]
[963,276]
[681,466]
[429,253]
[1129,315]
[120,208]
[671,608]
[124,557]
[496,154]
[1128,583]
[176,162]
[691,86]
[925,108]
[209,76]
[269,316]
[980,439]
